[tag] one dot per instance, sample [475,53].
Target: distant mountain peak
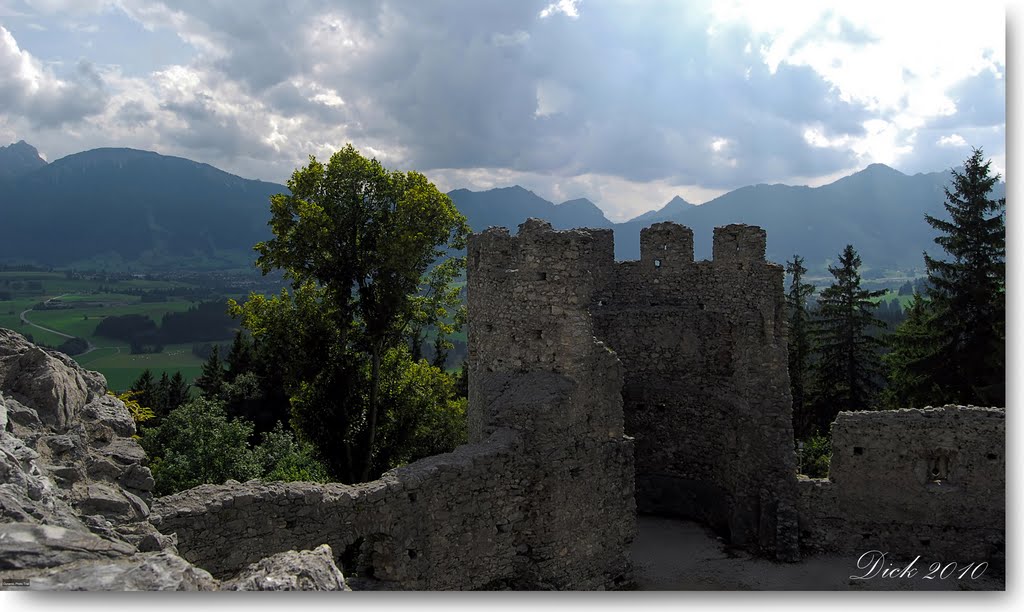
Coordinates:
[18,159]
[673,207]
[878,168]
[578,202]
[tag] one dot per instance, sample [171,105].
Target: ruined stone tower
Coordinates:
[536,368]
[704,383]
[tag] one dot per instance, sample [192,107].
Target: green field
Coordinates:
[87,306]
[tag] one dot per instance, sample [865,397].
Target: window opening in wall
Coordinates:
[538,334]
[938,469]
[657,263]
[858,450]
[542,276]
[488,328]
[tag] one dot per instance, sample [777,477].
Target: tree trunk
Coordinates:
[371,431]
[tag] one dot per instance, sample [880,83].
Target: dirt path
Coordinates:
[674,555]
[24,319]
[90,348]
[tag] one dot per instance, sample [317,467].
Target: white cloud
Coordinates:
[566,7]
[552,97]
[953,140]
[895,59]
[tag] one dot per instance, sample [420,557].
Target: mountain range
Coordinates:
[139,210]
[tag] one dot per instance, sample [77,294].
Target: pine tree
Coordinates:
[912,342]
[145,389]
[241,358]
[967,293]
[848,368]
[211,381]
[177,392]
[161,396]
[799,345]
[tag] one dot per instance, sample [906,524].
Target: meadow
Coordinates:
[83,304]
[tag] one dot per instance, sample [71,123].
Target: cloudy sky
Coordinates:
[626,102]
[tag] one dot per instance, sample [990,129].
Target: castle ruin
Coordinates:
[599,389]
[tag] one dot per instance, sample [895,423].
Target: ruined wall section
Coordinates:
[542,497]
[530,334]
[445,522]
[927,482]
[706,385]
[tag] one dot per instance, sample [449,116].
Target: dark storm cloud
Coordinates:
[638,94]
[641,100]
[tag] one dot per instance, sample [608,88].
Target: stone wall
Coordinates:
[542,497]
[913,482]
[706,383]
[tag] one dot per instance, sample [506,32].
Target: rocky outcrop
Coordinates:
[309,570]
[75,492]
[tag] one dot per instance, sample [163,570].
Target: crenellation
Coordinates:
[666,246]
[739,242]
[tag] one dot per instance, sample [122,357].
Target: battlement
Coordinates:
[666,245]
[739,242]
[698,375]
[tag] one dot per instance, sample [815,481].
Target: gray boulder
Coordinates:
[308,570]
[153,571]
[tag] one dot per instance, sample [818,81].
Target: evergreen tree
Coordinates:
[241,358]
[162,394]
[799,345]
[967,293]
[177,392]
[211,381]
[848,368]
[910,344]
[145,389]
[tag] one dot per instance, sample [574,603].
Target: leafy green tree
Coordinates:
[425,415]
[282,457]
[438,307]
[799,345]
[847,368]
[967,292]
[197,444]
[816,456]
[911,343]
[356,240]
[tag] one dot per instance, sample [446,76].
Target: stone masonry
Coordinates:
[925,482]
[706,391]
[541,498]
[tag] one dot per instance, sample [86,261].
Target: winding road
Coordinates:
[91,347]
